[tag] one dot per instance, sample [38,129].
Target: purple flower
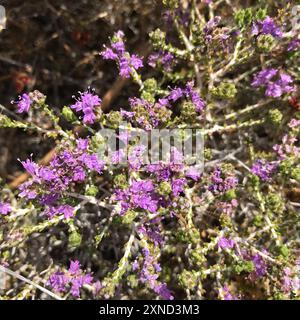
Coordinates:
[193,173]
[78,282]
[142,186]
[294,45]
[294,123]
[127,63]
[260,266]
[31,167]
[194,97]
[287,147]
[175,94]
[222,182]
[178,186]
[149,275]
[227,207]
[263,77]
[5,208]
[92,162]
[189,93]
[87,103]
[274,87]
[274,90]
[74,267]
[163,58]
[79,174]
[58,281]
[74,279]
[119,47]
[285,82]
[135,265]
[225,243]
[226,294]
[136,157]
[125,69]
[24,103]
[108,54]
[117,156]
[211,24]
[136,62]
[152,230]
[26,191]
[65,210]
[266,26]
[163,291]
[141,194]
[264,169]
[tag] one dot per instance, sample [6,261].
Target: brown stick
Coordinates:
[113,92]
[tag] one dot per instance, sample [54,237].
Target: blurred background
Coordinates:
[53,46]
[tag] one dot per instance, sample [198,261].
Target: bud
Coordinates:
[283,251]
[244,266]
[68,114]
[37,97]
[120,181]
[225,90]
[74,239]
[158,38]
[114,119]
[164,188]
[148,96]
[188,279]
[92,191]
[129,217]
[172,4]
[275,116]
[266,42]
[258,221]
[275,203]
[243,17]
[150,85]
[295,174]
[230,194]
[188,112]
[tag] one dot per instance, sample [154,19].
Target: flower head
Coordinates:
[24,103]
[87,103]
[5,208]
[264,169]
[267,26]
[276,84]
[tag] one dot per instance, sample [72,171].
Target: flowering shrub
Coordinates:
[166,229]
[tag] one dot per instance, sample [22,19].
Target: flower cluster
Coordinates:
[266,26]
[74,279]
[163,59]
[149,275]
[5,208]
[147,222]
[24,103]
[87,103]
[222,182]
[189,93]
[275,88]
[264,169]
[67,168]
[127,63]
